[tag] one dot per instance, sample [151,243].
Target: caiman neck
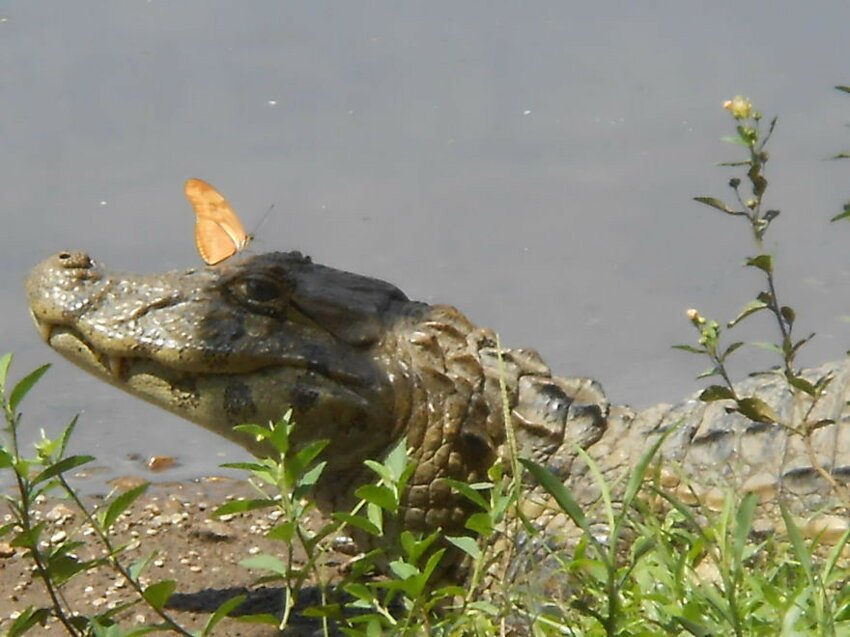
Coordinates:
[451,389]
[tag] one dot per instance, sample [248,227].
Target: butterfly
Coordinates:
[218,232]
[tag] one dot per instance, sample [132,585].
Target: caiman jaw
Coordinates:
[76,348]
[44,329]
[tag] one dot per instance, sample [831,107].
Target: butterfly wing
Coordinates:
[218,232]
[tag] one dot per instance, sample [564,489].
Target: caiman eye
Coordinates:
[262,294]
[261,290]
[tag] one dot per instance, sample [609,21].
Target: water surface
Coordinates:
[532,164]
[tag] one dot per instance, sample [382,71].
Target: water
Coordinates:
[531,164]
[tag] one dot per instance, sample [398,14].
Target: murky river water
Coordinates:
[531,163]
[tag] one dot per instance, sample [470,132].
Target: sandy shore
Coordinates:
[199,552]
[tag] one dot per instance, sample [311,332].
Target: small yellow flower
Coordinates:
[694,317]
[740,107]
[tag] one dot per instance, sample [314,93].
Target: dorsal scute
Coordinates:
[547,412]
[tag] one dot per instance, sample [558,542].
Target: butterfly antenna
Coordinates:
[261,222]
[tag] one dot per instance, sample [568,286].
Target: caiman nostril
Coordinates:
[74,260]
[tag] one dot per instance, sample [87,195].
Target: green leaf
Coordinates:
[712,371]
[763,262]
[802,553]
[715,203]
[135,569]
[480,523]
[844,155]
[297,464]
[120,504]
[431,564]
[27,620]
[756,410]
[66,436]
[756,305]
[259,618]
[403,570]
[62,567]
[397,460]
[265,562]
[331,611]
[801,342]
[638,472]
[5,363]
[559,491]
[383,472]
[157,594]
[62,466]
[222,611]
[136,632]
[466,544]
[6,459]
[736,139]
[788,314]
[842,87]
[769,347]
[283,532]
[698,630]
[770,215]
[256,431]
[733,347]
[846,211]
[802,384]
[716,392]
[241,506]
[690,348]
[23,386]
[468,492]
[378,495]
[414,548]
[643,546]
[375,515]
[824,381]
[358,522]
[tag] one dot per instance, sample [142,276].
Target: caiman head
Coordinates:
[359,364]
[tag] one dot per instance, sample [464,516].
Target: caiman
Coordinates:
[363,366]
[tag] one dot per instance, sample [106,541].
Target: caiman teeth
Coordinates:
[116,366]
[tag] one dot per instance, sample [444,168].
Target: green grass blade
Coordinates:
[743,525]
[559,491]
[797,543]
[639,471]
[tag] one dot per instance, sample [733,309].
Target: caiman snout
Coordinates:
[72,260]
[59,288]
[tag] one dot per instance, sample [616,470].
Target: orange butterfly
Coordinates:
[218,232]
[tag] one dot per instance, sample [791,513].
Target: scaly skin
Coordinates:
[362,366]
